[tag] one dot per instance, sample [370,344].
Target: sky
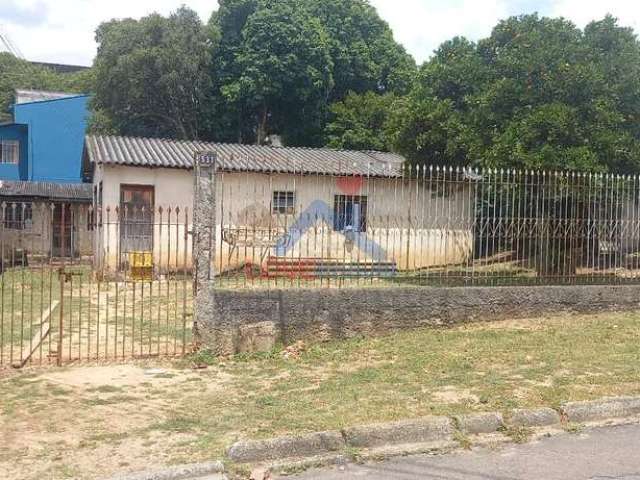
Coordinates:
[62,31]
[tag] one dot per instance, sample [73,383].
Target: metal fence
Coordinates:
[78,283]
[426,225]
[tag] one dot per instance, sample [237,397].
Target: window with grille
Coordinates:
[9,152]
[18,216]
[284,202]
[350,213]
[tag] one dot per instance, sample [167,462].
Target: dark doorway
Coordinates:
[136,219]
[63,234]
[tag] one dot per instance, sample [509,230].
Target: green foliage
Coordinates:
[364,53]
[284,71]
[278,66]
[20,74]
[153,75]
[538,93]
[359,122]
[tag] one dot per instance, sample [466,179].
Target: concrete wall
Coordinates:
[323,314]
[411,224]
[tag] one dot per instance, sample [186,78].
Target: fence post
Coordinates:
[204,248]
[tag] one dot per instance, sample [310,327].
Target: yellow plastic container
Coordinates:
[141,264]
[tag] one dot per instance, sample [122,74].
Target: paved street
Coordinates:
[599,454]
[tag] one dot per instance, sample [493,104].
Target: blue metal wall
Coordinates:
[52,140]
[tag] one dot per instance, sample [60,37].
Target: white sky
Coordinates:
[62,30]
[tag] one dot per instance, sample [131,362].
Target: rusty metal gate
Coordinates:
[68,293]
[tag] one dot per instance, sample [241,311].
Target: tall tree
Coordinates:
[537,93]
[352,50]
[365,55]
[285,71]
[152,75]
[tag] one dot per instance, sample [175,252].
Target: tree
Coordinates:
[537,93]
[430,130]
[152,75]
[365,55]
[352,50]
[285,71]
[20,74]
[360,122]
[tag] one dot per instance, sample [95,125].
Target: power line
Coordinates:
[9,45]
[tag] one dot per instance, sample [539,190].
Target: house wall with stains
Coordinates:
[412,224]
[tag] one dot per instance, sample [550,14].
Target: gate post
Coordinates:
[204,228]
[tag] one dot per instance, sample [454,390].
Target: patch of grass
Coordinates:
[462,439]
[433,371]
[179,424]
[105,389]
[574,428]
[518,434]
[112,400]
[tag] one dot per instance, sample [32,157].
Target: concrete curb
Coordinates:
[620,407]
[427,434]
[180,472]
[477,423]
[427,429]
[535,417]
[310,445]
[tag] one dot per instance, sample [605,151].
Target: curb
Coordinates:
[427,429]
[313,444]
[536,417]
[477,423]
[423,435]
[620,407]
[181,472]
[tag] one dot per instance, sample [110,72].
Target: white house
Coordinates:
[277,205]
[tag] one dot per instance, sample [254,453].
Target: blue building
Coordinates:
[45,140]
[44,207]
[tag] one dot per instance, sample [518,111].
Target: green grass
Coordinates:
[104,319]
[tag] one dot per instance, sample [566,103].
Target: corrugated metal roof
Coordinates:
[163,153]
[29,96]
[46,190]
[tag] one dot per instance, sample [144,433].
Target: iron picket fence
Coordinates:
[84,283]
[425,225]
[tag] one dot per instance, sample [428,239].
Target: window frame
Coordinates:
[23,212]
[343,217]
[13,146]
[289,207]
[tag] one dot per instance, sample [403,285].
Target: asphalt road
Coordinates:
[610,453]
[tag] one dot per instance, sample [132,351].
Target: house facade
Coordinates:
[273,204]
[45,210]
[44,219]
[44,140]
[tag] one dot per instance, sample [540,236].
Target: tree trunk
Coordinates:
[262,126]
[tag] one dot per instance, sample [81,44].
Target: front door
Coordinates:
[62,237]
[136,219]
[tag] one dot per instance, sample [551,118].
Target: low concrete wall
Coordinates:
[254,320]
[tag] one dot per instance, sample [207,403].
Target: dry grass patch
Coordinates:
[88,422]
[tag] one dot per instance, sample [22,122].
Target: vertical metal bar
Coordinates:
[3,267]
[184,281]
[61,317]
